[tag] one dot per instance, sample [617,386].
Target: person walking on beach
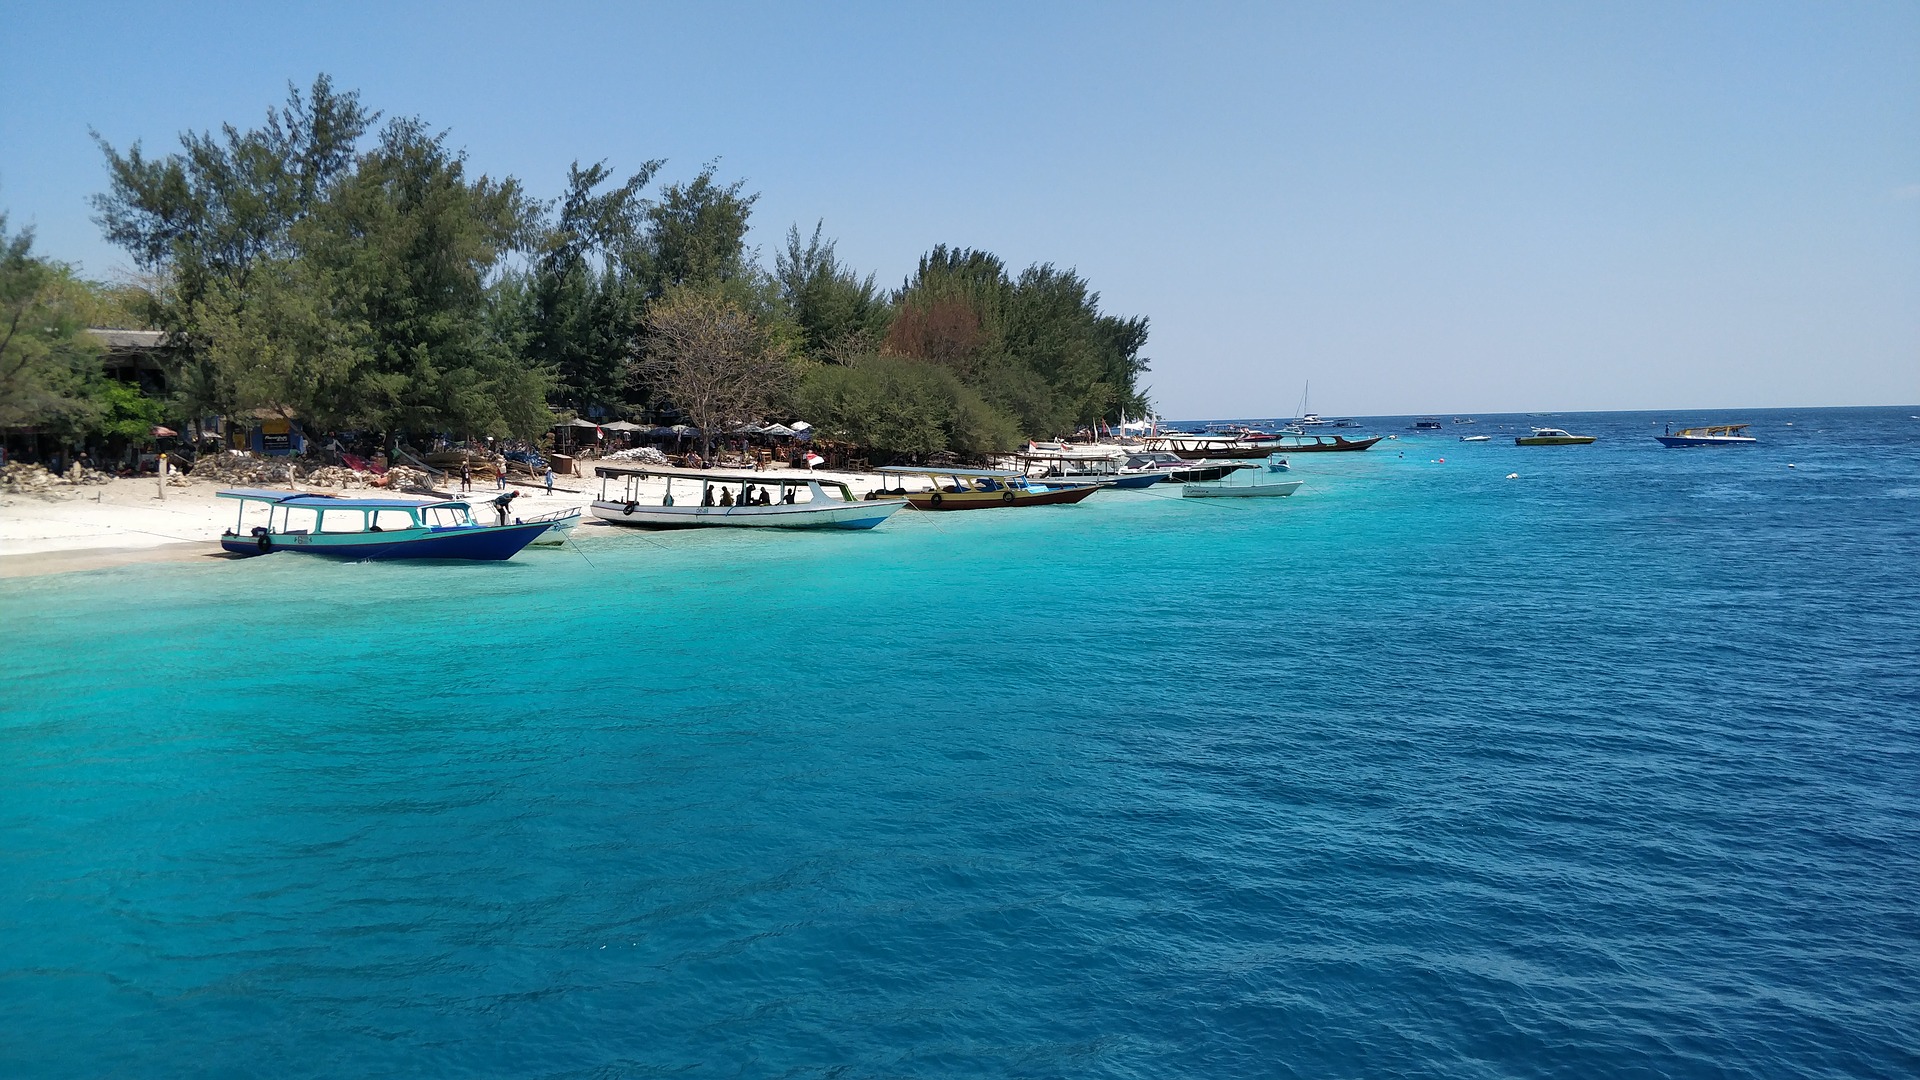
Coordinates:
[466,477]
[549,479]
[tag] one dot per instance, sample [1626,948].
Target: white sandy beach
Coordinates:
[125,521]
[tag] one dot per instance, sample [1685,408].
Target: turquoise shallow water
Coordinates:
[1613,769]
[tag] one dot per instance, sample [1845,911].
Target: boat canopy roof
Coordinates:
[943,470]
[709,475]
[320,501]
[1716,429]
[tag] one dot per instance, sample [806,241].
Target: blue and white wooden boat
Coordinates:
[347,528]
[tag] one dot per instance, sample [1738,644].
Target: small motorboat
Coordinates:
[1227,489]
[1476,438]
[1711,435]
[1427,423]
[1551,436]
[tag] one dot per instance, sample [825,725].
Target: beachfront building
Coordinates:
[135,357]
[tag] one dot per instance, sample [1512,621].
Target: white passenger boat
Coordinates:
[696,498]
[1711,435]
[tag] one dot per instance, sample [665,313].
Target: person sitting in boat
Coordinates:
[765,499]
[788,497]
[706,495]
[726,497]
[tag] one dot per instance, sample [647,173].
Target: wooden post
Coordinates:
[162,472]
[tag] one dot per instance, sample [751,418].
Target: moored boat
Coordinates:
[1080,465]
[1710,435]
[1551,436]
[1319,444]
[982,489]
[1210,447]
[1174,469]
[732,500]
[1426,423]
[1226,489]
[560,525]
[345,528]
[1476,438]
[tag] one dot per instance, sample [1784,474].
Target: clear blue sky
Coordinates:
[1420,207]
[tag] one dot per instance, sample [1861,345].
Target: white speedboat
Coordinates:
[1476,438]
[1220,489]
[692,499]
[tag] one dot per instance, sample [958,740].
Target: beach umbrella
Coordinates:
[623,425]
[164,433]
[801,425]
[778,431]
[685,429]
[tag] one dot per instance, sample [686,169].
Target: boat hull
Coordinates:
[1553,440]
[837,515]
[480,543]
[998,500]
[1241,491]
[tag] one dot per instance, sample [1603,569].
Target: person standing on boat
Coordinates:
[502,502]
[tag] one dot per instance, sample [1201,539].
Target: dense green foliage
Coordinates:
[49,369]
[357,275]
[904,406]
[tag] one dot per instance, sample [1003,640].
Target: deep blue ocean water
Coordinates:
[1612,769]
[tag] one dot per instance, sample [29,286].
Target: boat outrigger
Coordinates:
[749,500]
[346,528]
[982,489]
[1711,435]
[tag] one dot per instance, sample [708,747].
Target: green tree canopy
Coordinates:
[1036,347]
[837,312]
[49,367]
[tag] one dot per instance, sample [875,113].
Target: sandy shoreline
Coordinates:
[123,522]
